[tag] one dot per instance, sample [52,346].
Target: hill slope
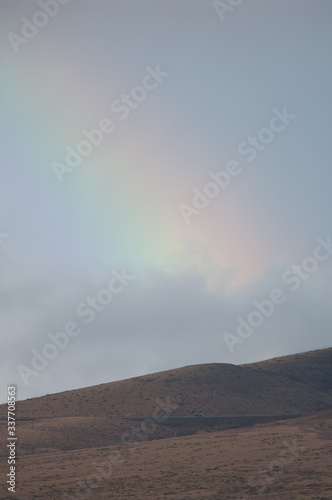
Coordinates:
[292,384]
[218,465]
[313,368]
[197,458]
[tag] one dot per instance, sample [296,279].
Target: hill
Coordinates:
[299,383]
[313,369]
[182,457]
[288,460]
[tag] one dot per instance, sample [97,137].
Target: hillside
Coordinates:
[182,457]
[230,464]
[313,369]
[292,384]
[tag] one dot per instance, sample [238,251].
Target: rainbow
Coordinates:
[123,199]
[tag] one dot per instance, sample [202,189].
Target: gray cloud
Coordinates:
[154,324]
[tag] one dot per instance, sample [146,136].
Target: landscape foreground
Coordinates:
[265,433]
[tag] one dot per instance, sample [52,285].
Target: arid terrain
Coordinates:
[140,438]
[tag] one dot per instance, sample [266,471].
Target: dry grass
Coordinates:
[214,465]
[58,451]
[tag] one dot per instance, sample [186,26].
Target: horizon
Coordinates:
[170,369]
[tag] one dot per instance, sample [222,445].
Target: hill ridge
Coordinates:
[299,383]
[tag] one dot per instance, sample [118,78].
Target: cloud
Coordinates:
[162,320]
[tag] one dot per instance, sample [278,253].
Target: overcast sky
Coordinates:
[164,165]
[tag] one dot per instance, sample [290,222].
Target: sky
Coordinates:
[165,165]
